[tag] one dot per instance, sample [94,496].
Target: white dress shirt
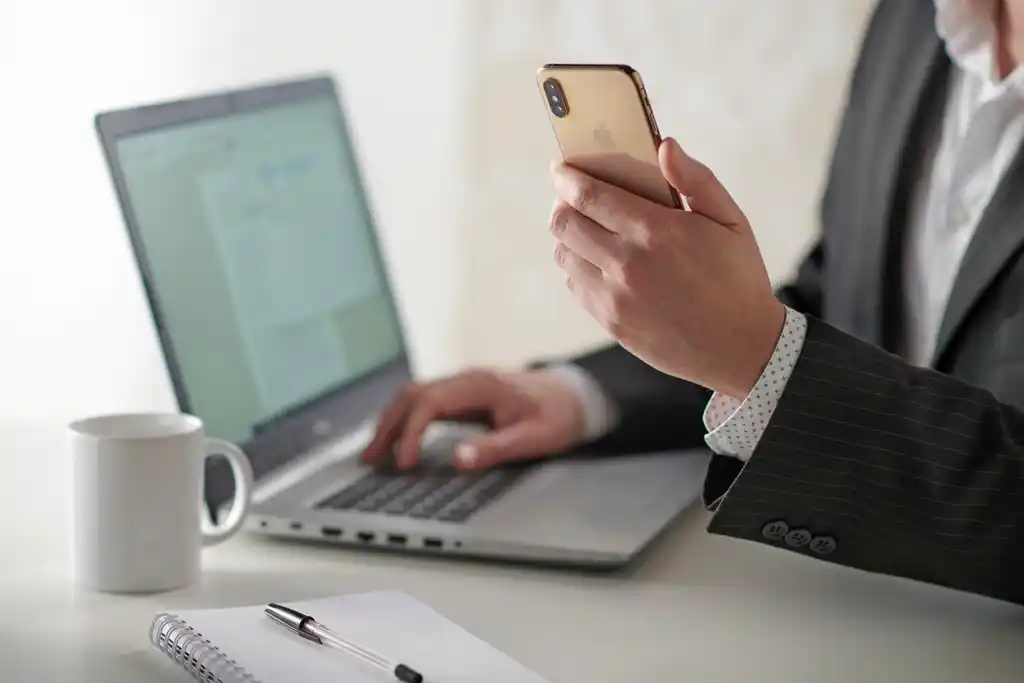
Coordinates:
[982,129]
[981,133]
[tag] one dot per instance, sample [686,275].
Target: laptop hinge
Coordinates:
[345,446]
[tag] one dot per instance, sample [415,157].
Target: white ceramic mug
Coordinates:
[138,524]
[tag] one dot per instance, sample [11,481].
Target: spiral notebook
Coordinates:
[242,645]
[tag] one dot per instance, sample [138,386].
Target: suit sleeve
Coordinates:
[875,464]
[654,411]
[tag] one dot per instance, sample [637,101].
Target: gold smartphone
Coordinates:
[605,126]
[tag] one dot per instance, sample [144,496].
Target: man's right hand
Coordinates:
[531,414]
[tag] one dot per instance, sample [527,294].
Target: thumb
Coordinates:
[519,441]
[698,184]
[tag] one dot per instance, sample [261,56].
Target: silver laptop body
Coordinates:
[275,313]
[572,510]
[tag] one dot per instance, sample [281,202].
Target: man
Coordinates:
[872,411]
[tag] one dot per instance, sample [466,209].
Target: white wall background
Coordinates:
[454,142]
[76,332]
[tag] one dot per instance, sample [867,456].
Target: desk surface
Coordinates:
[698,608]
[713,608]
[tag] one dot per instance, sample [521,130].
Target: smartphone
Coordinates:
[605,126]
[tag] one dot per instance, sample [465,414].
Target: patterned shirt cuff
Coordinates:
[600,415]
[734,426]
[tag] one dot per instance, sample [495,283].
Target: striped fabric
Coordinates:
[911,472]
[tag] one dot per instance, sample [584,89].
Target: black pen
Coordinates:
[307,627]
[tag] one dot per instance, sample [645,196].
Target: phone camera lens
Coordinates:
[556,98]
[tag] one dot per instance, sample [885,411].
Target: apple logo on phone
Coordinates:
[603,138]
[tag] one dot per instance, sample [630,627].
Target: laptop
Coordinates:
[263,271]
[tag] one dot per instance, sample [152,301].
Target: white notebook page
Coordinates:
[393,624]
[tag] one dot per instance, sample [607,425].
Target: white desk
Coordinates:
[700,608]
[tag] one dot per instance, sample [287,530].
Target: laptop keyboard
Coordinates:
[443,495]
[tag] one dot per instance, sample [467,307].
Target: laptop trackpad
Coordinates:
[612,502]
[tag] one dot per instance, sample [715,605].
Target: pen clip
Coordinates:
[292,620]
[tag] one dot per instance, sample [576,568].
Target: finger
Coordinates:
[576,268]
[407,452]
[610,207]
[389,427]
[520,441]
[584,280]
[704,193]
[583,236]
[453,398]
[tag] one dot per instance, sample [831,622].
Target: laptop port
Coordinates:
[435,543]
[331,531]
[366,536]
[397,539]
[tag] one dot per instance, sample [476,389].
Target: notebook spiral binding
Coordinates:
[202,660]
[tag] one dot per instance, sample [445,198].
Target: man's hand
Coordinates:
[531,414]
[687,292]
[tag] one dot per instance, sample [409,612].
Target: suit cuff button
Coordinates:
[823,545]
[775,531]
[798,538]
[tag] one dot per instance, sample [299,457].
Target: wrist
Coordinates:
[567,389]
[754,354]
[566,398]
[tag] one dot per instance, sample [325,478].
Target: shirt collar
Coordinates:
[967,27]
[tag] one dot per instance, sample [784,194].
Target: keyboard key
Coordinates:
[370,504]
[349,496]
[399,506]
[346,499]
[411,495]
[428,493]
[442,496]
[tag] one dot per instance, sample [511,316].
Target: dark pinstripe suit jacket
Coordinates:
[912,472]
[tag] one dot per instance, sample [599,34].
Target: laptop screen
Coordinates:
[262,255]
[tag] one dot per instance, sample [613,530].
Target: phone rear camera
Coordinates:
[555,97]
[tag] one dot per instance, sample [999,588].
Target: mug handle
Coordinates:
[241,469]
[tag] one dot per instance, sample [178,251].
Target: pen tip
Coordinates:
[407,675]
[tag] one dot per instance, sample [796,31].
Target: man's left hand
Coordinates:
[685,291]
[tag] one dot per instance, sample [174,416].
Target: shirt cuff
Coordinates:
[734,426]
[600,414]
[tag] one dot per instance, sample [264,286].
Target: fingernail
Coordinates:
[466,454]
